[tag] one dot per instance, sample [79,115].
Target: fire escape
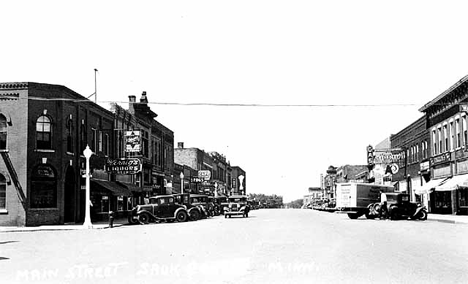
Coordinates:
[14,177]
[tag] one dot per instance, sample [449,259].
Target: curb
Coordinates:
[38,229]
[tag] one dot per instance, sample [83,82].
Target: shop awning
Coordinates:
[429,186]
[453,183]
[109,187]
[130,186]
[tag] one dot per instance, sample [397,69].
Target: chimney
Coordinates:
[143,98]
[180,145]
[131,101]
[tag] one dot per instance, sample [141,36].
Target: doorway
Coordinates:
[69,196]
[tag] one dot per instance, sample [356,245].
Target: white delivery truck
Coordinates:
[358,199]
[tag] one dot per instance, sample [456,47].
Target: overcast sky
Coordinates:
[362,69]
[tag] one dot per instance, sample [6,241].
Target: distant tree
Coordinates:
[296,203]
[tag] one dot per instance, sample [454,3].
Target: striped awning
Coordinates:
[429,186]
[453,183]
[105,187]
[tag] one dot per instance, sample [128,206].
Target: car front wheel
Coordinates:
[181,216]
[144,218]
[422,215]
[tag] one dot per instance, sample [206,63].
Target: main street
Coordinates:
[271,246]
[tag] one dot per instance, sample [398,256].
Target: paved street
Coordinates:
[271,246]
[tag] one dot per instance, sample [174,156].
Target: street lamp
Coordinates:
[181,182]
[87,222]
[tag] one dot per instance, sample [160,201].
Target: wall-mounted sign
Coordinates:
[124,166]
[132,141]
[204,174]
[445,157]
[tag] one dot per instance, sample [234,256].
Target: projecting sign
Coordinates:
[124,166]
[204,174]
[132,141]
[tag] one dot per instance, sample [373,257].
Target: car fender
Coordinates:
[416,212]
[138,213]
[178,210]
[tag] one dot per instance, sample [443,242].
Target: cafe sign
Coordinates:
[124,166]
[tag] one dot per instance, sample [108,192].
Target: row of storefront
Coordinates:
[44,130]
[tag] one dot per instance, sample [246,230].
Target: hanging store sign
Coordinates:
[132,141]
[124,166]
[204,174]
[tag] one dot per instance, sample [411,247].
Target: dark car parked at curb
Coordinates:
[160,208]
[397,206]
[194,211]
[237,206]
[202,202]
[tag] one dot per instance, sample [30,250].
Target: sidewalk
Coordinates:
[96,225]
[448,218]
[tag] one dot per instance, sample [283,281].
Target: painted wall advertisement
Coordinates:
[385,163]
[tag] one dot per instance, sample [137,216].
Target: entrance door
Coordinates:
[69,196]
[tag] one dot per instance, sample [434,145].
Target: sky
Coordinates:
[288,87]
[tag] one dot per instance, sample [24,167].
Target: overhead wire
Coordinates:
[228,104]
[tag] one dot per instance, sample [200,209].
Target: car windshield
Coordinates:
[391,197]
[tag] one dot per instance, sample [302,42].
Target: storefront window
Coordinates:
[443,200]
[464,197]
[104,206]
[120,203]
[43,187]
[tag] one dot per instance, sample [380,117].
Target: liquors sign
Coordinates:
[124,166]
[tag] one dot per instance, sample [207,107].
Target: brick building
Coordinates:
[447,120]
[44,129]
[413,163]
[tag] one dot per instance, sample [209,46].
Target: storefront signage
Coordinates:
[424,166]
[445,157]
[204,174]
[195,179]
[124,166]
[461,154]
[388,157]
[132,141]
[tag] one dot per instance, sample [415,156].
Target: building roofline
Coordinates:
[441,96]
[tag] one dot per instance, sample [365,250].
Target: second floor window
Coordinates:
[43,133]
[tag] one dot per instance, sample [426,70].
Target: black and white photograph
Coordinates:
[225,142]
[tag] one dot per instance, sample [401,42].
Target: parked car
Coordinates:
[217,204]
[237,206]
[398,206]
[201,201]
[160,208]
[194,211]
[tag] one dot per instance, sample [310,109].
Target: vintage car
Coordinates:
[194,211]
[398,206]
[237,206]
[201,201]
[160,208]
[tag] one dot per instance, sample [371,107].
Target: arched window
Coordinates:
[44,133]
[2,192]
[43,187]
[3,132]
